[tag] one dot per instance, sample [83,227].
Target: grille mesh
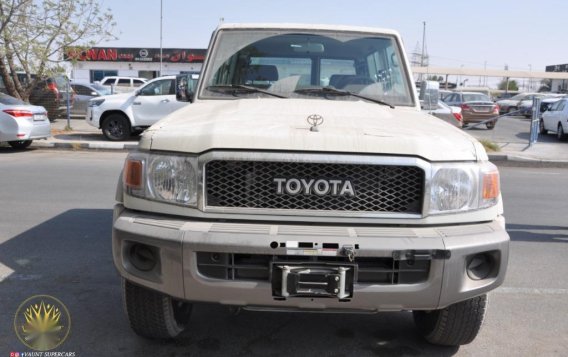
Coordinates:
[250,184]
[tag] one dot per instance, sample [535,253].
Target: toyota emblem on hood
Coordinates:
[314,120]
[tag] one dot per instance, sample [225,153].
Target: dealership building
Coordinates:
[558,85]
[92,64]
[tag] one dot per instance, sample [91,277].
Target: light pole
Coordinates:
[530,78]
[161,7]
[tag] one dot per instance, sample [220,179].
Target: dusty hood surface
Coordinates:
[281,124]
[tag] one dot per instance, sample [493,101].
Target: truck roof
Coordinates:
[296,26]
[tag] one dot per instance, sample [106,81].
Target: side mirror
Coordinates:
[429,94]
[186,84]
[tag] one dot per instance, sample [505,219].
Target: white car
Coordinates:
[555,119]
[119,84]
[451,115]
[21,123]
[120,115]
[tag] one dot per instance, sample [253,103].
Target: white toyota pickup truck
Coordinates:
[303,176]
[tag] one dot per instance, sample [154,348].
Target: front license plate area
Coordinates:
[312,280]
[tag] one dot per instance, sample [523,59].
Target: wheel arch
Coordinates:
[111,112]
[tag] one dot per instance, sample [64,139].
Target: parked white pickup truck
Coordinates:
[303,176]
[120,115]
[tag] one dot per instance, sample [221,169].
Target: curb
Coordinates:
[76,145]
[520,161]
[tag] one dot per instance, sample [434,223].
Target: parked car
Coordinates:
[525,107]
[555,119]
[476,107]
[22,77]
[54,94]
[120,115]
[21,123]
[85,92]
[500,95]
[512,104]
[451,115]
[122,84]
[50,93]
[443,93]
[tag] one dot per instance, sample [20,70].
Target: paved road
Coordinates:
[55,224]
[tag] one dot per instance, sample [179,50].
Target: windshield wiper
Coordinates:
[236,88]
[333,91]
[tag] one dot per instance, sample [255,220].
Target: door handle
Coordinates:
[136,103]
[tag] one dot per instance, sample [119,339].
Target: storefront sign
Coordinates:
[557,68]
[114,54]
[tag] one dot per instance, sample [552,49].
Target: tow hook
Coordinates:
[349,252]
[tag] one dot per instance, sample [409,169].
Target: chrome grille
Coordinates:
[250,184]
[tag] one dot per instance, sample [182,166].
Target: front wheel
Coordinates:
[560,135]
[20,144]
[455,325]
[116,127]
[490,124]
[153,314]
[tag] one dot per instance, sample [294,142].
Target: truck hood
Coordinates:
[281,124]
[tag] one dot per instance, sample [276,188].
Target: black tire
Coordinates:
[491,124]
[20,144]
[560,134]
[152,314]
[541,129]
[116,127]
[511,110]
[457,324]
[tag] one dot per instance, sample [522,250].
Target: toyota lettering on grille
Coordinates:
[319,187]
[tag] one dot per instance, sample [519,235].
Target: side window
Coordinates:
[81,90]
[163,87]
[554,106]
[123,82]
[561,105]
[108,81]
[137,82]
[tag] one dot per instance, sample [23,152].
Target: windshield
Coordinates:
[285,63]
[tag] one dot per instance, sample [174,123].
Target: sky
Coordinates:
[520,34]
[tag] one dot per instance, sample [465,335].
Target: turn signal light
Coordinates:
[132,175]
[491,185]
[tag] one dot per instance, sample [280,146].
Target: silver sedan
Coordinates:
[21,123]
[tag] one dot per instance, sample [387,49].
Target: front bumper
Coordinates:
[93,116]
[177,242]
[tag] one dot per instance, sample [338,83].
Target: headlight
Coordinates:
[463,187]
[95,102]
[166,178]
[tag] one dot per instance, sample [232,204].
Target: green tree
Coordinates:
[34,33]
[513,85]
